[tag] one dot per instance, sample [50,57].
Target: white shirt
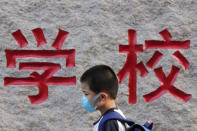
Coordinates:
[121,127]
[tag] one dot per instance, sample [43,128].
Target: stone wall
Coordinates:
[97,28]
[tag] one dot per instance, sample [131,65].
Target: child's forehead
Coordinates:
[85,86]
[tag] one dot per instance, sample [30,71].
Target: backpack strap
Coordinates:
[113,115]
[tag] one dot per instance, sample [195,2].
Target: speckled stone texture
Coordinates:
[97,28]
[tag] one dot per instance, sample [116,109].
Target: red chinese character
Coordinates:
[167,82]
[46,78]
[131,65]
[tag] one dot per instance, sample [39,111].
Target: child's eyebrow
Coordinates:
[84,91]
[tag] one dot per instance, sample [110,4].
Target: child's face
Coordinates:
[90,94]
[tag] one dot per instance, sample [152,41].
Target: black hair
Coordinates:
[101,78]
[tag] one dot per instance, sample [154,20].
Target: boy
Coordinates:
[100,86]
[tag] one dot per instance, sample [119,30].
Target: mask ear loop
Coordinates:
[96,105]
[93,99]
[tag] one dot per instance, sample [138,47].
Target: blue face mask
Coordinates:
[87,104]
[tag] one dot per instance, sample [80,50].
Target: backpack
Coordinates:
[132,126]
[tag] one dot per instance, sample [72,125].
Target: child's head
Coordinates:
[99,83]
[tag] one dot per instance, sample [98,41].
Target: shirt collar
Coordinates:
[109,110]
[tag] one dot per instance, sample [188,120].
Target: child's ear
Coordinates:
[103,95]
